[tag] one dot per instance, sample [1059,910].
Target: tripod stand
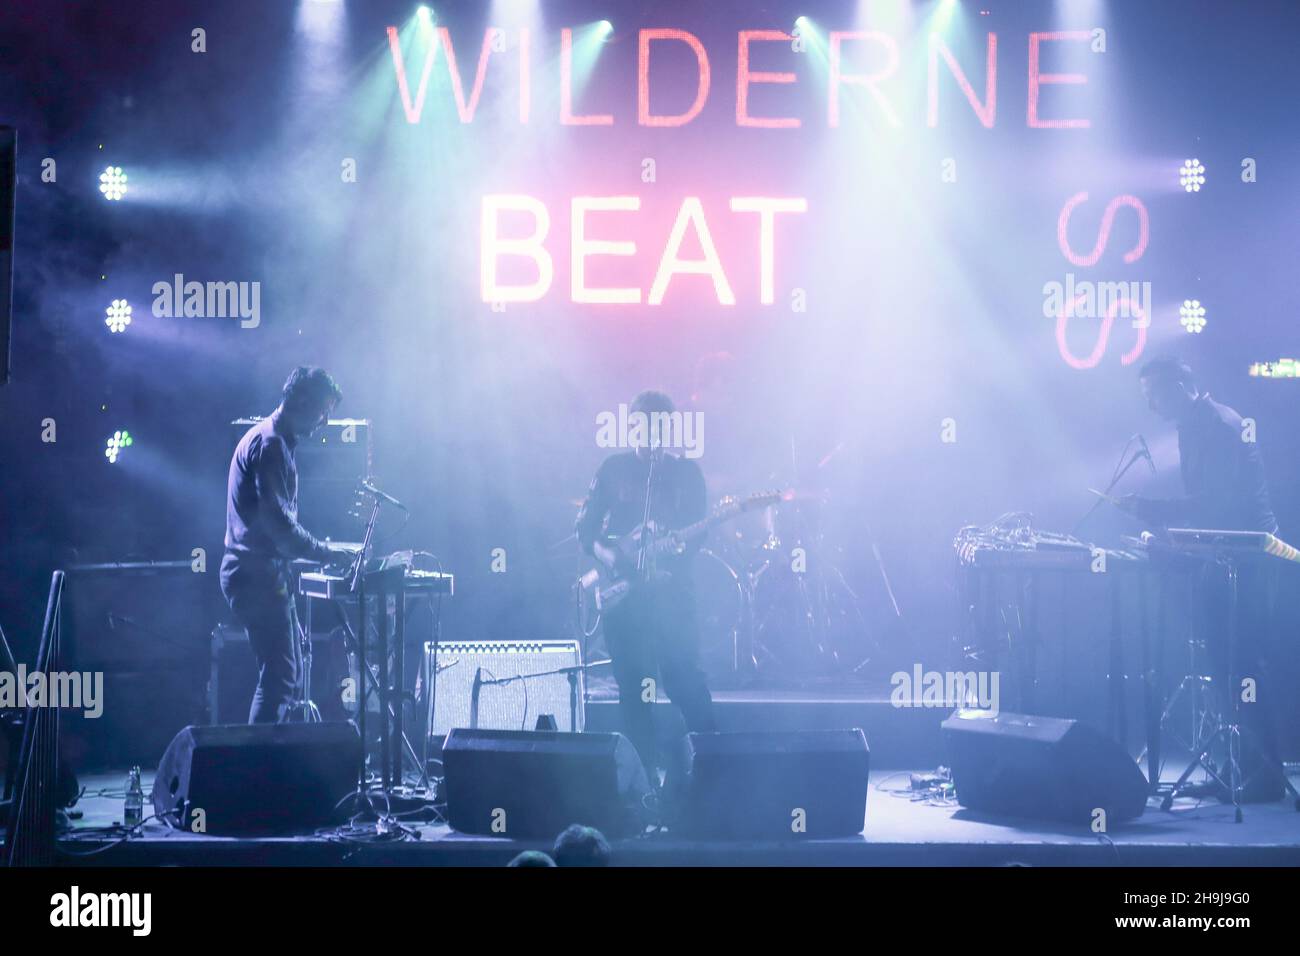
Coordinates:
[1227,736]
[1197,691]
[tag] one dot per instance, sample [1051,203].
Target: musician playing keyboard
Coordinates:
[1223,475]
[263,536]
[1225,489]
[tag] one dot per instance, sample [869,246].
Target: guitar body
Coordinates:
[615,584]
[609,587]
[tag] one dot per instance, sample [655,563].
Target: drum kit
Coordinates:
[773,605]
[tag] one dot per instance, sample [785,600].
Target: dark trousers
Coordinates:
[258,594]
[652,637]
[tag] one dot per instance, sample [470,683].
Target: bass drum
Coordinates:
[722,614]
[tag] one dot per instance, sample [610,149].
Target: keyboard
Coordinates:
[334,587]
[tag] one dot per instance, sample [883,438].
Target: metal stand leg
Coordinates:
[303,708]
[362,670]
[1228,730]
[369,680]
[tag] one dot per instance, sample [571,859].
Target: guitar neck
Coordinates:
[704,524]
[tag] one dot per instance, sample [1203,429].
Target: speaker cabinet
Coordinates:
[1041,767]
[232,675]
[257,778]
[772,786]
[533,784]
[140,625]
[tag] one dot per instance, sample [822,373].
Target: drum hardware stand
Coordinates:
[1228,730]
[823,597]
[1197,687]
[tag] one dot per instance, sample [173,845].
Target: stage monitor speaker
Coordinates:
[8,189]
[512,706]
[533,784]
[257,778]
[782,785]
[1041,767]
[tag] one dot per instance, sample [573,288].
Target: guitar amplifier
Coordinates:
[511,706]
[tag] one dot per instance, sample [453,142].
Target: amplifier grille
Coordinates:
[512,706]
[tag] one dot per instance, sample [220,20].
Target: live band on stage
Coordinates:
[646,524]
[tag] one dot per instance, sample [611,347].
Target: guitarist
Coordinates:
[651,634]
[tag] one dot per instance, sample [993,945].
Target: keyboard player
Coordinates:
[263,536]
[1225,490]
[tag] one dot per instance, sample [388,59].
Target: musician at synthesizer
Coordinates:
[651,634]
[1223,475]
[1225,489]
[263,536]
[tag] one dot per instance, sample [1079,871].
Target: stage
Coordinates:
[898,832]
[425,418]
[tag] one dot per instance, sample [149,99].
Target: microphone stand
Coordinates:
[357,583]
[1139,453]
[644,571]
[572,672]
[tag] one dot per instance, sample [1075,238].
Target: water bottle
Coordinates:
[133,807]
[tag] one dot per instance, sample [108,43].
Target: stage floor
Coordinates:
[898,832]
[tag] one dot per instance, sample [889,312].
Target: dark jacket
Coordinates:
[1223,476]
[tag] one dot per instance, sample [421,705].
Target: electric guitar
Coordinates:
[609,586]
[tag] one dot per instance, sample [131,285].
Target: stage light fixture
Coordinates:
[1191,175]
[118,315]
[120,440]
[1192,315]
[943,14]
[606,26]
[424,13]
[112,183]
